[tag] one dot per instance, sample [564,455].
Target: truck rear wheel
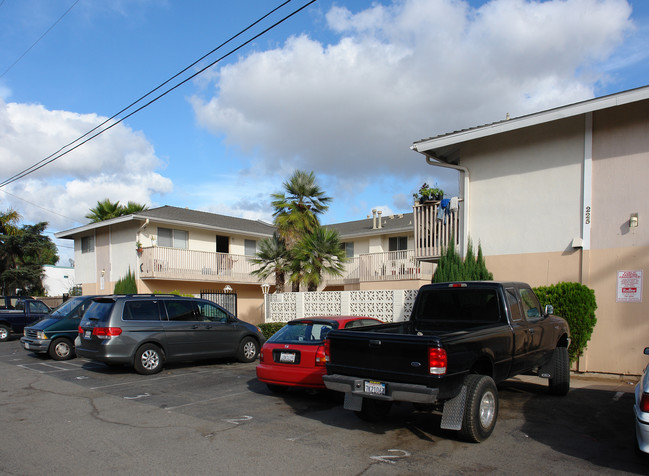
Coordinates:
[4,333]
[374,410]
[480,409]
[559,384]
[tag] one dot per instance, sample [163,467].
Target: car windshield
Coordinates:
[306,332]
[67,308]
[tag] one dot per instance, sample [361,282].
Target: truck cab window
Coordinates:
[531,306]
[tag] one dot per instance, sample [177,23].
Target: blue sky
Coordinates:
[342,88]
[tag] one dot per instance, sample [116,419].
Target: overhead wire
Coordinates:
[61,152]
[39,39]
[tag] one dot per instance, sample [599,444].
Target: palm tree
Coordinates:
[297,209]
[9,222]
[317,253]
[272,257]
[105,210]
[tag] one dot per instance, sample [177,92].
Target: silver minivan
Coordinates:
[145,331]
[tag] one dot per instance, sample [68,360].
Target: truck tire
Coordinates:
[559,384]
[61,349]
[374,410]
[4,333]
[480,409]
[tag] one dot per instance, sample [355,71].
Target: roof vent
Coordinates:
[379,214]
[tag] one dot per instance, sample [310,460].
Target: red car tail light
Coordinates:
[80,330]
[261,355]
[106,332]
[644,402]
[321,356]
[327,350]
[436,361]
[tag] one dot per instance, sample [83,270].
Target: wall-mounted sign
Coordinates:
[629,286]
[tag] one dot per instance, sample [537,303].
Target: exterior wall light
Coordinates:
[227,289]
[633,220]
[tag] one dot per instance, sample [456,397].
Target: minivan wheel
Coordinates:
[248,350]
[61,349]
[148,359]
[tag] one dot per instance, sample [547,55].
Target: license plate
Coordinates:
[287,357]
[87,334]
[375,388]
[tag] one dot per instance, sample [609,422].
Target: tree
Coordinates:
[22,256]
[105,210]
[272,257]
[296,213]
[317,253]
[452,267]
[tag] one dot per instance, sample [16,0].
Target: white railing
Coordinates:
[172,263]
[388,266]
[434,230]
[188,265]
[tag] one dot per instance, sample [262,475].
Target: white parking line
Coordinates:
[207,400]
[150,379]
[617,396]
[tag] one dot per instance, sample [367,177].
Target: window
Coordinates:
[250,247]
[222,244]
[181,310]
[398,243]
[531,306]
[512,301]
[349,249]
[144,310]
[37,306]
[87,244]
[172,238]
[211,312]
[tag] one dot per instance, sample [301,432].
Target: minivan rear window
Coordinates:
[99,311]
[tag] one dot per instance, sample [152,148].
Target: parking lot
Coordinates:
[214,417]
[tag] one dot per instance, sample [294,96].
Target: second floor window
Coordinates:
[87,244]
[349,249]
[398,243]
[250,247]
[172,238]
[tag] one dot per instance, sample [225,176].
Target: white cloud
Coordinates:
[118,164]
[406,71]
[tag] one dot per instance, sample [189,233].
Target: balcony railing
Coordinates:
[388,266]
[188,265]
[434,230]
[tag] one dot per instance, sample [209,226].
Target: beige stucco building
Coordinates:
[563,195]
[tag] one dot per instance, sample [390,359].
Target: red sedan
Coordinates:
[294,356]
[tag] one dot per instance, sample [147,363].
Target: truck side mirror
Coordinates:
[549,310]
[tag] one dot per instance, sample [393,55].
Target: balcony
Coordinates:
[388,266]
[188,265]
[434,231]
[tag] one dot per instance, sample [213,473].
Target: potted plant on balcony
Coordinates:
[138,247]
[428,194]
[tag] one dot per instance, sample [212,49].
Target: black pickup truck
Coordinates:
[461,340]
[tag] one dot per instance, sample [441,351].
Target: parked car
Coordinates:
[641,410]
[55,333]
[25,312]
[9,302]
[294,356]
[146,331]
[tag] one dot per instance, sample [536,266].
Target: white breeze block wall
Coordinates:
[388,306]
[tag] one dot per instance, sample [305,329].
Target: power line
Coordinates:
[39,39]
[61,152]
[38,206]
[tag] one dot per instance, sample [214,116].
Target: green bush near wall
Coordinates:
[576,304]
[269,328]
[126,285]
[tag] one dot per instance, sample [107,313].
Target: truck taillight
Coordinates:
[436,361]
[644,402]
[321,357]
[106,332]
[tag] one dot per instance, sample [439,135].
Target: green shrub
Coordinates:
[269,328]
[452,267]
[127,284]
[576,304]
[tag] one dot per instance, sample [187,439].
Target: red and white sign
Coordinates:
[629,286]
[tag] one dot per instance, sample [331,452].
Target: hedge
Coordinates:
[576,304]
[269,328]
